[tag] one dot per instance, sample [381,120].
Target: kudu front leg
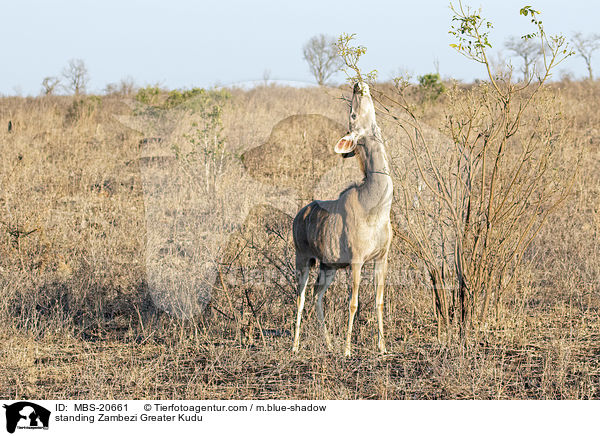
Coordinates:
[380,273]
[356,271]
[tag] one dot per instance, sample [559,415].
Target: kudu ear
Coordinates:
[345,145]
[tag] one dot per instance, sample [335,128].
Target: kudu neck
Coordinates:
[372,155]
[376,189]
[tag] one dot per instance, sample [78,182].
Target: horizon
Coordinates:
[182,45]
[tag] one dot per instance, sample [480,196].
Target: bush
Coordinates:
[195,99]
[149,95]
[431,86]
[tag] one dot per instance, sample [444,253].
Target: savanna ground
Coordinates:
[100,220]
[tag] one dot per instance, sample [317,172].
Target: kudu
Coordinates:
[355,228]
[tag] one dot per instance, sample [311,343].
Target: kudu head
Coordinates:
[361,121]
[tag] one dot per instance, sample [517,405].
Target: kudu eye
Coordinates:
[353,116]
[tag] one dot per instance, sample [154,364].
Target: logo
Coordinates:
[26,415]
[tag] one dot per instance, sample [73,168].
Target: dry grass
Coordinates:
[78,305]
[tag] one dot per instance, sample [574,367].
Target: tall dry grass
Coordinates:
[78,280]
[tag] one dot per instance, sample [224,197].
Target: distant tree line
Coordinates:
[321,54]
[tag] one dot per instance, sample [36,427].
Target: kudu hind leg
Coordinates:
[302,272]
[326,276]
[380,273]
[353,305]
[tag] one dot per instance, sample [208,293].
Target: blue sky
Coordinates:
[183,43]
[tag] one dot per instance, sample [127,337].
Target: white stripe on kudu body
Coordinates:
[353,229]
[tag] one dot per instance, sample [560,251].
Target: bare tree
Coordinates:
[528,50]
[77,76]
[49,85]
[585,45]
[321,54]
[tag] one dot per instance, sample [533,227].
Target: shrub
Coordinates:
[149,95]
[195,99]
[431,86]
